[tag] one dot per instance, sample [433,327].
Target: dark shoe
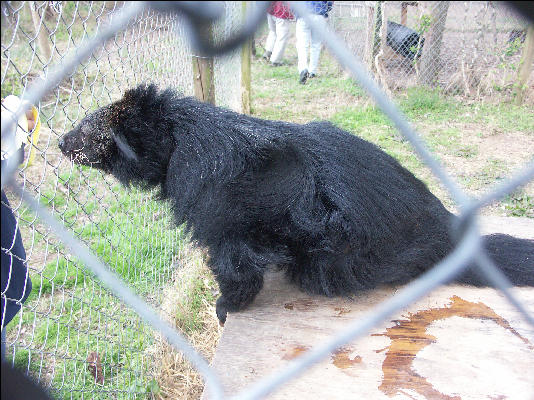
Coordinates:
[312,75]
[303,77]
[267,55]
[276,64]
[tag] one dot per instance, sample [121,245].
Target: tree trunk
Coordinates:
[370,36]
[377,39]
[525,65]
[430,59]
[40,31]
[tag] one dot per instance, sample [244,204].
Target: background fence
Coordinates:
[73,335]
[471,49]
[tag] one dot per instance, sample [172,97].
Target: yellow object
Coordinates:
[28,128]
[33,136]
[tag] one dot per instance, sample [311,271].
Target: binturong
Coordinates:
[332,210]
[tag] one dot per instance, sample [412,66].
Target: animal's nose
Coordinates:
[61,142]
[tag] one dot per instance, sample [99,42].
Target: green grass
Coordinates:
[68,314]
[420,102]
[198,293]
[505,117]
[519,204]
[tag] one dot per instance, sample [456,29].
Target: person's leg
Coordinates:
[282,36]
[316,45]
[3,344]
[271,38]
[302,34]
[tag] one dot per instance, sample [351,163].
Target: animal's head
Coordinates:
[92,141]
[131,138]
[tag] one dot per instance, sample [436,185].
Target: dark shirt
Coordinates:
[320,7]
[16,283]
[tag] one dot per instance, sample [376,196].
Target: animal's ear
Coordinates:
[123,147]
[141,95]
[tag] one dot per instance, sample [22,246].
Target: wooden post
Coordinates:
[246,51]
[404,13]
[525,65]
[370,35]
[40,31]
[381,50]
[203,83]
[376,34]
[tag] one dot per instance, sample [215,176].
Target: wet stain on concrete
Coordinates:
[295,352]
[409,337]
[341,358]
[301,305]
[341,310]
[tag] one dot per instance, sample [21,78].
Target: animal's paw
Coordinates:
[221,309]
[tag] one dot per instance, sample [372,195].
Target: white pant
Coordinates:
[306,39]
[278,37]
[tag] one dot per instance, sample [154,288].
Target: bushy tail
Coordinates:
[515,258]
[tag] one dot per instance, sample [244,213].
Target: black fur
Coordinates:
[338,213]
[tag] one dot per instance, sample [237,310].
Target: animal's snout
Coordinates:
[68,143]
[61,143]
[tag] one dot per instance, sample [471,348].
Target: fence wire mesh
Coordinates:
[75,336]
[469,49]
[70,320]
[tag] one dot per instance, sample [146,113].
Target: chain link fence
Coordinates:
[76,337]
[469,49]
[72,334]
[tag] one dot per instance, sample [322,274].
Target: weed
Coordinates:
[519,204]
[421,101]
